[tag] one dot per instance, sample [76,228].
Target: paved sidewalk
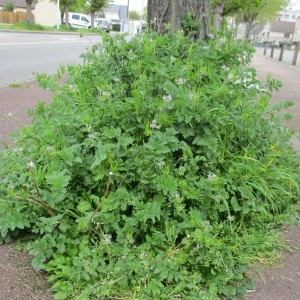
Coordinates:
[289,76]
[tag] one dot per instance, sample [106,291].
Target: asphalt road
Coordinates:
[23,54]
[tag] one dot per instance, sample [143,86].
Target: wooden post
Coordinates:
[272,50]
[296,51]
[266,43]
[281,45]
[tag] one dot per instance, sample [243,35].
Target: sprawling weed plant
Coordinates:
[158,172]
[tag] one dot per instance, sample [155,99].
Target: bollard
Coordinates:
[266,43]
[272,50]
[296,51]
[281,45]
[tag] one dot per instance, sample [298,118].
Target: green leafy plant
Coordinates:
[159,171]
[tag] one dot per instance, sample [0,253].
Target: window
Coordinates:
[84,19]
[75,17]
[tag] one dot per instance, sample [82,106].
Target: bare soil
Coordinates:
[18,281]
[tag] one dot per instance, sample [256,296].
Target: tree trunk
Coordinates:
[92,14]
[28,10]
[166,15]
[67,21]
[218,11]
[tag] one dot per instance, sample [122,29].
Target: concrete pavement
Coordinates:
[290,78]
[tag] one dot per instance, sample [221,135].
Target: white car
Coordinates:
[78,21]
[103,24]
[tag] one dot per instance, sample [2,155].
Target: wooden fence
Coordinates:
[9,17]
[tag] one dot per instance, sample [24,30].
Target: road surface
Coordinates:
[23,54]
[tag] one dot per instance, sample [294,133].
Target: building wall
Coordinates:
[289,14]
[46,13]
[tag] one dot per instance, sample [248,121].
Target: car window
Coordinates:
[75,17]
[84,19]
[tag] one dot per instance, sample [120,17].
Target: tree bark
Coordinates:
[168,14]
[218,12]
[28,11]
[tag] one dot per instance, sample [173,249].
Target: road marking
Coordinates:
[38,43]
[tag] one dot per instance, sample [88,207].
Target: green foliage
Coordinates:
[9,6]
[159,171]
[134,15]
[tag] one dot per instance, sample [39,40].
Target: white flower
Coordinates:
[191,95]
[167,98]
[161,163]
[107,239]
[225,68]
[111,173]
[230,218]
[180,81]
[91,136]
[10,115]
[154,124]
[210,176]
[30,165]
[50,149]
[116,79]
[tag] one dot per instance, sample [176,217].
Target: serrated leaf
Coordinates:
[100,155]
[57,180]
[167,184]
[84,206]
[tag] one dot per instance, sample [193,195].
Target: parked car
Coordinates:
[103,24]
[78,21]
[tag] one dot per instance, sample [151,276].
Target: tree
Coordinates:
[65,4]
[260,11]
[250,10]
[176,14]
[28,10]
[93,6]
[9,6]
[134,15]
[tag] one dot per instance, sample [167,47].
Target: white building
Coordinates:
[289,14]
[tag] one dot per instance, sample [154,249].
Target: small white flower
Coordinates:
[107,239]
[18,149]
[191,95]
[116,79]
[180,81]
[173,59]
[154,124]
[167,98]
[161,163]
[30,165]
[177,196]
[225,68]
[50,149]
[111,173]
[211,36]
[91,136]
[230,218]
[9,115]
[211,176]
[188,236]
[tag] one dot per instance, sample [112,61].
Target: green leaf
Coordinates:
[84,206]
[58,180]
[167,184]
[100,155]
